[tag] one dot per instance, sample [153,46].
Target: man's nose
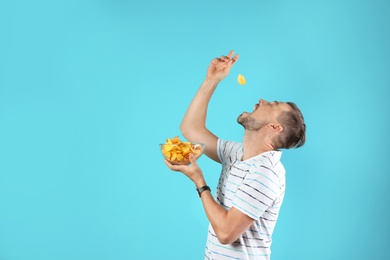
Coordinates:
[263,101]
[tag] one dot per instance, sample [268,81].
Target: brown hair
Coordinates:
[294,128]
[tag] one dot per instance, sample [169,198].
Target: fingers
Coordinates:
[229,58]
[235,58]
[223,58]
[193,160]
[177,168]
[230,55]
[182,168]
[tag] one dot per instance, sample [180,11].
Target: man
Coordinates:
[252,182]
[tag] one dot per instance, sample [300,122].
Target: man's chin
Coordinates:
[241,117]
[244,114]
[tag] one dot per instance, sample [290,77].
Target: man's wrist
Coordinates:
[200,183]
[212,82]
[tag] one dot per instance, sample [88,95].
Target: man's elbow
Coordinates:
[226,238]
[184,129]
[189,132]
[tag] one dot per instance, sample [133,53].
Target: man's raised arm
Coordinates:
[193,126]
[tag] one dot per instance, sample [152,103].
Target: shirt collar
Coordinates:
[273,156]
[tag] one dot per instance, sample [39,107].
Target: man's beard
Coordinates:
[249,123]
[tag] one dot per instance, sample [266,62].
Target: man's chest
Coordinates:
[230,180]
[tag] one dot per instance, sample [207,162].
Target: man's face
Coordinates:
[263,113]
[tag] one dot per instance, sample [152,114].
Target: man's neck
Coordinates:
[254,144]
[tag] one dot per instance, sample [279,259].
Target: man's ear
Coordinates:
[277,128]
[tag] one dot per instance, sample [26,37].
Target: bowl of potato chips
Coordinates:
[178,153]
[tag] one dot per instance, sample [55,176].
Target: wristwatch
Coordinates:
[202,189]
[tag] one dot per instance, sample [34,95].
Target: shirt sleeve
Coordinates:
[227,149]
[257,192]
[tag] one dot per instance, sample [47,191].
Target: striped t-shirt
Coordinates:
[255,187]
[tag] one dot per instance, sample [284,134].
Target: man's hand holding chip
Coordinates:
[220,67]
[191,171]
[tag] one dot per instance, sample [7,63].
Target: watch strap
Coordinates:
[202,189]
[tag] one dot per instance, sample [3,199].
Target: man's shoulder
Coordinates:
[223,143]
[268,164]
[270,158]
[227,148]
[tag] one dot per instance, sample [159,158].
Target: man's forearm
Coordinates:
[195,117]
[194,120]
[215,213]
[229,224]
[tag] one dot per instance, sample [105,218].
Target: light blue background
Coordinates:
[88,89]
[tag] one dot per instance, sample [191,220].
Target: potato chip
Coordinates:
[241,80]
[178,152]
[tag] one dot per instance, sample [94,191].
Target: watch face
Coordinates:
[202,189]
